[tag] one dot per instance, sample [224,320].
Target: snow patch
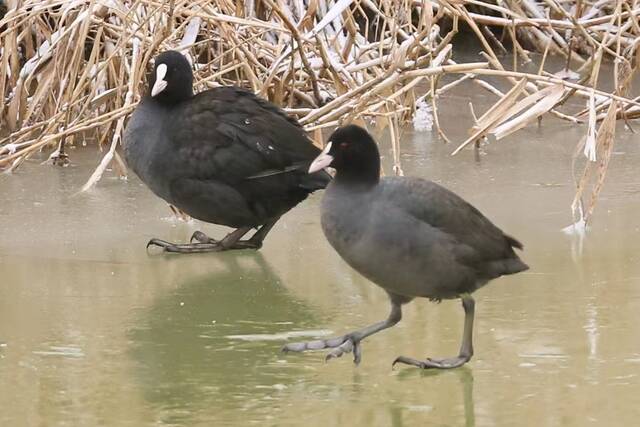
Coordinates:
[423,117]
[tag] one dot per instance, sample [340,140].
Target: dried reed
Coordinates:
[71,71]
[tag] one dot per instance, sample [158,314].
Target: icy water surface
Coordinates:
[95,331]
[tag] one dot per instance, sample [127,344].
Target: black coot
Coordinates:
[223,156]
[410,236]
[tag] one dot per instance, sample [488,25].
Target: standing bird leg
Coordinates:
[466,348]
[205,243]
[255,242]
[351,341]
[225,155]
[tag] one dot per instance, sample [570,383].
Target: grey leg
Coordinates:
[259,235]
[189,248]
[202,238]
[466,349]
[255,242]
[351,341]
[230,241]
[204,243]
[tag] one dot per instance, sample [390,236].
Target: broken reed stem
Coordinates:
[74,70]
[580,89]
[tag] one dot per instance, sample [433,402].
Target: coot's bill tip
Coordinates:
[323,160]
[160,83]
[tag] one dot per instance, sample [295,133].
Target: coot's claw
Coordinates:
[450,363]
[340,345]
[203,243]
[158,242]
[246,244]
[201,237]
[350,342]
[185,248]
[345,347]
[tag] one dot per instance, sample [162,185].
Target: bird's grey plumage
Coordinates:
[201,156]
[223,156]
[415,238]
[144,139]
[412,237]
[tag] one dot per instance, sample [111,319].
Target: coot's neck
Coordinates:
[364,173]
[170,100]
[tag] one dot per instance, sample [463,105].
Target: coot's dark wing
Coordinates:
[483,246]
[229,134]
[238,160]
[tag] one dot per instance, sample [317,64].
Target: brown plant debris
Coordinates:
[72,71]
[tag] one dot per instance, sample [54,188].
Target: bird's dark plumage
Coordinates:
[415,238]
[223,156]
[412,237]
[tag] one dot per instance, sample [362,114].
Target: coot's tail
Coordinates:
[508,262]
[513,242]
[513,264]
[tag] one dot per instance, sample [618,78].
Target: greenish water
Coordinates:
[95,331]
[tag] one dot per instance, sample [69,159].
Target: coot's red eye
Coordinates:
[343,145]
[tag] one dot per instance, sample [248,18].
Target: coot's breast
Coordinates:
[145,144]
[391,248]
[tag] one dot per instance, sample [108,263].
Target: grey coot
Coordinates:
[410,236]
[223,156]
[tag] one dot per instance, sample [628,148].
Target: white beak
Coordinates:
[161,83]
[322,161]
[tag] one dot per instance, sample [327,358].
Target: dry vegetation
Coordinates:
[72,70]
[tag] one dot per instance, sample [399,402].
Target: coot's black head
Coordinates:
[353,153]
[171,81]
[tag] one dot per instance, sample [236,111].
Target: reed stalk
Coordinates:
[72,71]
